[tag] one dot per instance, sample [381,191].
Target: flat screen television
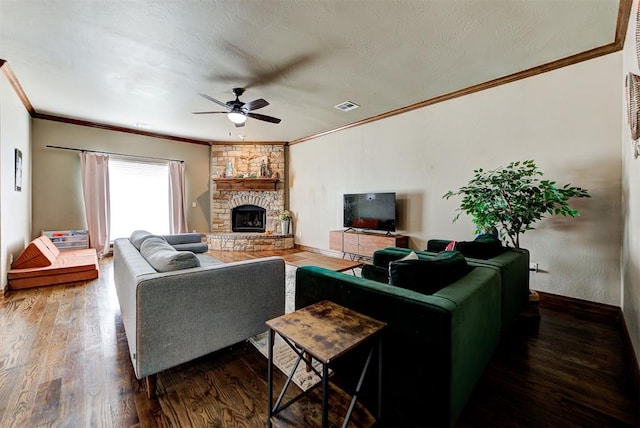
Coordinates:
[373,211]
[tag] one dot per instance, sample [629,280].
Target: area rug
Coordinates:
[284,359]
[283,356]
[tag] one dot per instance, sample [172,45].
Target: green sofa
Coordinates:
[514,272]
[435,347]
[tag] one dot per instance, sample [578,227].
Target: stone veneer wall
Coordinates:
[249,242]
[246,160]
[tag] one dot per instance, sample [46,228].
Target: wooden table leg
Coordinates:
[150,383]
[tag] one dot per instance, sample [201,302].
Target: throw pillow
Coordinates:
[138,236]
[411,256]
[164,258]
[428,276]
[488,239]
[484,247]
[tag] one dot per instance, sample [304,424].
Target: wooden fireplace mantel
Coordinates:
[246,183]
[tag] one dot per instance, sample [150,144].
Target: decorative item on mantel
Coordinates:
[285,222]
[263,168]
[228,173]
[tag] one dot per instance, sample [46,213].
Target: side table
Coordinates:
[324,331]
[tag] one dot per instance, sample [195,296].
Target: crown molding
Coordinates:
[17,87]
[91,124]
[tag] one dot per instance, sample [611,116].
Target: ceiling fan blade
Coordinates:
[264,117]
[212,99]
[255,104]
[209,112]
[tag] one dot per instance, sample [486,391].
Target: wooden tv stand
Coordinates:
[362,244]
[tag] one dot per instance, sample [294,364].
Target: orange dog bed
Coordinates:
[42,264]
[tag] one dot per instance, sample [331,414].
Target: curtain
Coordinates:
[95,188]
[177,196]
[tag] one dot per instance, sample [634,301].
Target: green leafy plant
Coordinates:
[512,199]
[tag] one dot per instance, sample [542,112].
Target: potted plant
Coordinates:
[512,199]
[285,221]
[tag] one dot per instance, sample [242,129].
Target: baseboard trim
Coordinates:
[632,360]
[592,311]
[328,253]
[597,312]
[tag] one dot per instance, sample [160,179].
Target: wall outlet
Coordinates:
[533,267]
[193,205]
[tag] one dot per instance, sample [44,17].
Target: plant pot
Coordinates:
[284,226]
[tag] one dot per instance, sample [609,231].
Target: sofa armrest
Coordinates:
[187,242]
[375,273]
[514,268]
[183,238]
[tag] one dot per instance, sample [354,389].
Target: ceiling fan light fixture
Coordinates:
[236,117]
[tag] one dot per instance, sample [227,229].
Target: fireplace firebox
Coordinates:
[248,218]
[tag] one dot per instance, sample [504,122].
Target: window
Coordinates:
[139,192]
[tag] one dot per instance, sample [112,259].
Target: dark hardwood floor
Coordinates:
[64,362]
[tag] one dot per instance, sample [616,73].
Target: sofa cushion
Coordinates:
[138,237]
[428,276]
[164,258]
[484,247]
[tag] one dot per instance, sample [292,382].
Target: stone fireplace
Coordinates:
[246,203]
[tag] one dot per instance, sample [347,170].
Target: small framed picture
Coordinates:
[18,179]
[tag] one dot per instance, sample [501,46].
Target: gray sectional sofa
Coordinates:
[175,316]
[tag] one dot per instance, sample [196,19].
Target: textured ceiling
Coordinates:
[122,63]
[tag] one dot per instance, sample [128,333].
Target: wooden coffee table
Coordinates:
[307,258]
[324,331]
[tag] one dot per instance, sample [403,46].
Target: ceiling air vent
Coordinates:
[347,106]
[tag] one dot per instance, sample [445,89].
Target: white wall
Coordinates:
[568,121]
[57,187]
[15,207]
[630,204]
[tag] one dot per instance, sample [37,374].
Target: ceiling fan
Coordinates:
[237,111]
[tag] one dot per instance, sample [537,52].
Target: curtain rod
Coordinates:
[113,153]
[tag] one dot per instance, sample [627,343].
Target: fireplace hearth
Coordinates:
[248,218]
